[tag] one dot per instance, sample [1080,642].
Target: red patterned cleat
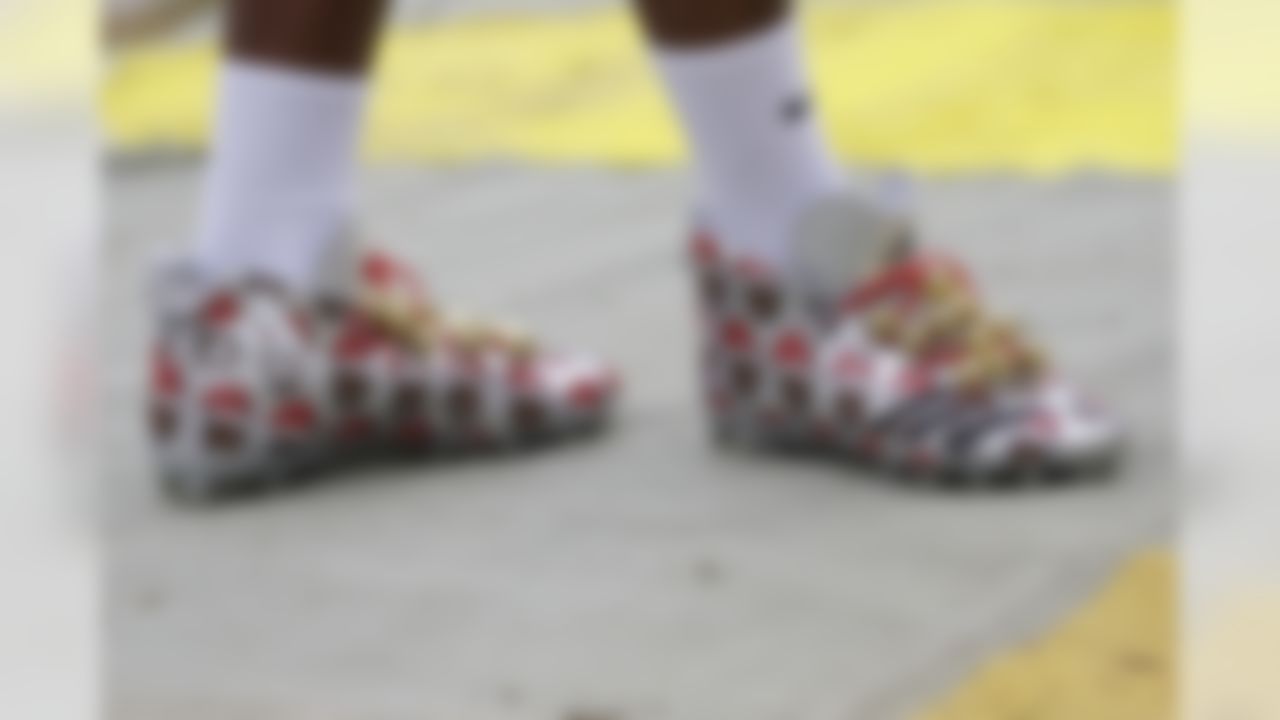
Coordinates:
[250,384]
[900,367]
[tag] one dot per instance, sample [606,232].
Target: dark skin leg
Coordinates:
[334,36]
[698,23]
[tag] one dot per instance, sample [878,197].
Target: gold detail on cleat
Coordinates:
[940,286]
[465,332]
[1029,364]
[886,325]
[972,375]
[957,317]
[949,318]
[918,336]
[476,335]
[520,343]
[488,335]
[400,316]
[410,319]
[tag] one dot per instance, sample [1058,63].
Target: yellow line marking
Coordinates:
[1232,647]
[936,86]
[1115,659]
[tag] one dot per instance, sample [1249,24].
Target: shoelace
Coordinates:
[412,319]
[926,307]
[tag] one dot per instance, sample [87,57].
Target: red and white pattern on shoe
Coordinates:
[405,370]
[233,392]
[906,374]
[249,384]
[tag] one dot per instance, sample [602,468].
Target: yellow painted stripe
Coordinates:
[936,86]
[1231,651]
[1113,660]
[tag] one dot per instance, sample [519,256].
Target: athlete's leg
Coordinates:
[673,23]
[910,372]
[289,111]
[338,352]
[737,77]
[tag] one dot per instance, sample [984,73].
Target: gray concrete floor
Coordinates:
[644,576]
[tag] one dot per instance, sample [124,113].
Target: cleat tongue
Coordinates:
[842,238]
[337,272]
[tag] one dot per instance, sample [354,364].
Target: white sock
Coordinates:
[760,157]
[278,188]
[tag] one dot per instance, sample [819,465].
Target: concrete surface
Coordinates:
[644,576]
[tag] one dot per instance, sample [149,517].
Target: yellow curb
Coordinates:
[1115,659]
[937,86]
